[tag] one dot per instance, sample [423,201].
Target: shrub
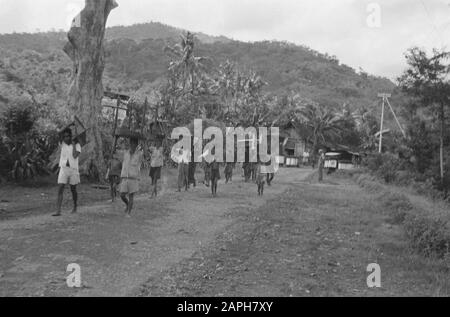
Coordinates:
[388,171]
[373,162]
[428,236]
[397,205]
[369,183]
[397,202]
[17,120]
[404,178]
[384,165]
[24,152]
[427,189]
[444,186]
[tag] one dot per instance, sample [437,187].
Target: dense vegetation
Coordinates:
[135,60]
[236,83]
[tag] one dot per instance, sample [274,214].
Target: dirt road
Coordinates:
[301,239]
[117,255]
[311,240]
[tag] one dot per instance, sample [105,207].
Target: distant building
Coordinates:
[340,157]
[292,148]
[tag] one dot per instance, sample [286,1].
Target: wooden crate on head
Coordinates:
[79,135]
[122,105]
[79,132]
[158,128]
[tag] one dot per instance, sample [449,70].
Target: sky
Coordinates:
[368,34]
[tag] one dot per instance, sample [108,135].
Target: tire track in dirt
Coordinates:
[116,254]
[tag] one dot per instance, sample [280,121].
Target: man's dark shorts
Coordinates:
[155,173]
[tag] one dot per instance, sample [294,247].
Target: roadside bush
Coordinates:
[24,152]
[373,162]
[427,189]
[404,178]
[427,236]
[4,165]
[369,183]
[444,187]
[397,206]
[348,173]
[388,171]
[384,165]
[396,201]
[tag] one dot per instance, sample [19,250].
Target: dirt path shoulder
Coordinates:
[312,240]
[117,255]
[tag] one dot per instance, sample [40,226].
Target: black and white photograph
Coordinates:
[225,155]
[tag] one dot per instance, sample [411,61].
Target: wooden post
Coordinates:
[396,118]
[116,119]
[380,148]
[384,96]
[144,120]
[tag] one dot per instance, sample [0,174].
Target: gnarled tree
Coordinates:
[86,49]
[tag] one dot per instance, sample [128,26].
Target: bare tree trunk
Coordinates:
[442,136]
[86,49]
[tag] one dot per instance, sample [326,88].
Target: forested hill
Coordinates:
[136,57]
[155,30]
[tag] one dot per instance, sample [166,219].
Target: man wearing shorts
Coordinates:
[156,164]
[321,164]
[215,177]
[131,169]
[183,170]
[229,172]
[260,179]
[68,170]
[114,173]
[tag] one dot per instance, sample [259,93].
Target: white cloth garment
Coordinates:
[181,156]
[67,156]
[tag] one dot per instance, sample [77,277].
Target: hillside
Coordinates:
[156,30]
[135,58]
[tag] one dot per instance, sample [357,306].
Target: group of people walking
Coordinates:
[130,174]
[123,174]
[124,171]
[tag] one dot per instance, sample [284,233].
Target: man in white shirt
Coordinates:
[68,170]
[182,157]
[322,158]
[156,164]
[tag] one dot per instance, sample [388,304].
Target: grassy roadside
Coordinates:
[313,240]
[425,222]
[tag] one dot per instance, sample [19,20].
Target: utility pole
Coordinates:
[116,120]
[384,97]
[386,101]
[396,119]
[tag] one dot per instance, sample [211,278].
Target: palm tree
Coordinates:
[189,73]
[187,67]
[251,101]
[323,125]
[226,84]
[367,126]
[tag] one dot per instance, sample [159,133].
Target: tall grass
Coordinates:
[428,234]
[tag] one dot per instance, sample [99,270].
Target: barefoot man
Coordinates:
[321,164]
[156,165]
[68,170]
[131,169]
[113,174]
